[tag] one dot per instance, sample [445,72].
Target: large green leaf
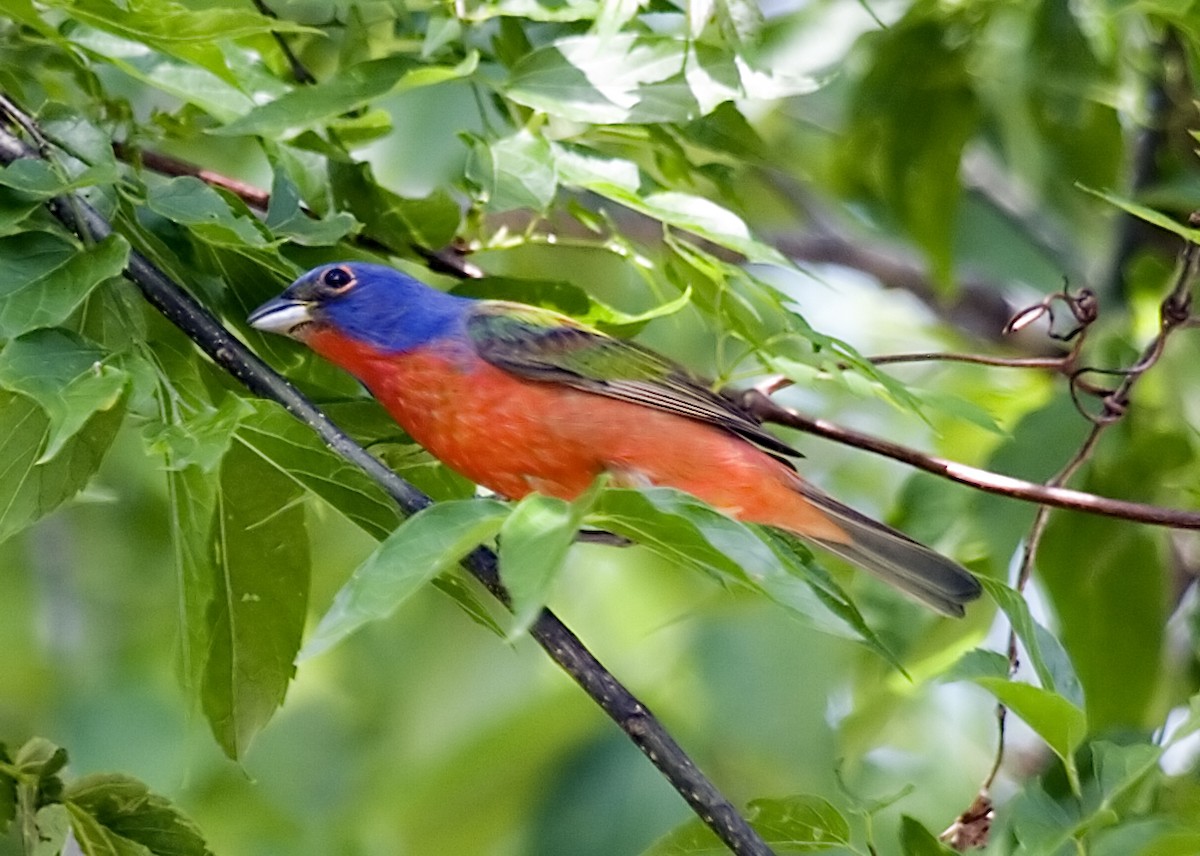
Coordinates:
[30,490]
[632,78]
[534,540]
[220,98]
[256,616]
[400,223]
[1114,607]
[175,29]
[514,172]
[190,202]
[344,93]
[297,454]
[1061,724]
[64,374]
[43,277]
[286,217]
[1046,653]
[621,181]
[424,546]
[119,815]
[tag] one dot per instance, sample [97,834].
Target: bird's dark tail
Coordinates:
[895,558]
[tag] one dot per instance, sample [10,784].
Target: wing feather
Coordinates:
[543,345]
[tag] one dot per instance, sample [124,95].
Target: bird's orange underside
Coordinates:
[516,436]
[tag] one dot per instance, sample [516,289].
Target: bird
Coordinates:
[520,398]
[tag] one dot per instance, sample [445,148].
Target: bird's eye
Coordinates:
[337,278]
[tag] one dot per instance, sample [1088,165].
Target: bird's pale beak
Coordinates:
[283,315]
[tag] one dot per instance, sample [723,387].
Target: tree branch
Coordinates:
[182,310]
[985,480]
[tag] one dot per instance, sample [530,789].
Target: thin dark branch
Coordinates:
[985,480]
[977,359]
[299,72]
[254,197]
[647,733]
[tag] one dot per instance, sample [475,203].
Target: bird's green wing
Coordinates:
[543,345]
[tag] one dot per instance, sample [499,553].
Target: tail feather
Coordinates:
[908,565]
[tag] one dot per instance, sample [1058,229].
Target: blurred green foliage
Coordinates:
[683,172]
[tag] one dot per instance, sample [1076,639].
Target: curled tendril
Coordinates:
[1083,306]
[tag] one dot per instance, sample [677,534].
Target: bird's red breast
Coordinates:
[516,436]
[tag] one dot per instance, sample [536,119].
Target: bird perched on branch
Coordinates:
[522,399]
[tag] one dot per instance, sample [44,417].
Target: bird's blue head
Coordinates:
[375,304]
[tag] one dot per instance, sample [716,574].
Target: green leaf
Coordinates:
[401,224]
[286,217]
[916,840]
[422,547]
[124,810]
[66,376]
[42,759]
[978,663]
[803,823]
[345,92]
[513,172]
[569,299]
[297,454]
[534,10]
[192,497]
[255,620]
[1113,617]
[200,440]
[190,202]
[95,840]
[534,541]
[628,78]
[41,180]
[43,278]
[682,529]
[46,833]
[1146,214]
[30,490]
[194,85]
[1046,653]
[1119,768]
[741,21]
[174,29]
[692,838]
[39,788]
[624,78]
[621,181]
[1061,724]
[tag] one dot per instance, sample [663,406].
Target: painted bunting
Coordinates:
[521,399]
